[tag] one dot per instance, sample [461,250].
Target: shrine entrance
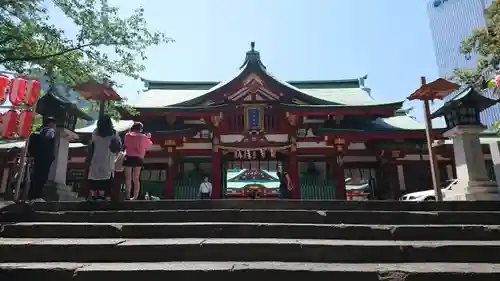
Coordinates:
[250,172]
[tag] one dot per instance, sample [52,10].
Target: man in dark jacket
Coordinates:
[43,156]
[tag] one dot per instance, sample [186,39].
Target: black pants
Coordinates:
[285,193]
[205,196]
[41,172]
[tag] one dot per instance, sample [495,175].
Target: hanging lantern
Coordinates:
[24,125]
[32,92]
[273,153]
[17,91]
[236,154]
[254,154]
[4,83]
[263,153]
[9,122]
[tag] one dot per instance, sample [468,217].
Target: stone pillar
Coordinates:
[59,167]
[338,173]
[216,170]
[495,158]
[473,182]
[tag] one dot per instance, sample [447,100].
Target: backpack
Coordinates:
[34,143]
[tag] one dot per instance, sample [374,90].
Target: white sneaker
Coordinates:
[37,200]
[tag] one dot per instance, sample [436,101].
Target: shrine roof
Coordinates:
[403,123]
[346,92]
[120,126]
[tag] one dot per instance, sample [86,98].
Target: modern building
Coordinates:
[451,21]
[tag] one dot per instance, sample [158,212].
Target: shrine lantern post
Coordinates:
[437,89]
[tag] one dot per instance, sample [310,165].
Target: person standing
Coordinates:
[41,148]
[285,183]
[104,146]
[205,189]
[136,144]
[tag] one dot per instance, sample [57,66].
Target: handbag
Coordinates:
[119,161]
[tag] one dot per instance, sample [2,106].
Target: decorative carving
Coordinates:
[216,119]
[292,119]
[340,160]
[170,143]
[339,144]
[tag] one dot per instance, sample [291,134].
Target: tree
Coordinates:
[486,43]
[105,44]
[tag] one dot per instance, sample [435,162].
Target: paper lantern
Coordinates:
[24,125]
[4,83]
[32,92]
[17,91]
[9,123]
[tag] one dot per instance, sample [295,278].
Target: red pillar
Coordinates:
[338,173]
[294,174]
[171,171]
[216,174]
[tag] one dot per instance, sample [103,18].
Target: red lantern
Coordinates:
[9,123]
[17,90]
[4,83]
[32,92]
[24,125]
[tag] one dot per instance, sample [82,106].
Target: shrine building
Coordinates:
[322,132]
[331,136]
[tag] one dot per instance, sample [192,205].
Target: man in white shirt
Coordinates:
[205,189]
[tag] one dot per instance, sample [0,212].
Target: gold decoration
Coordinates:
[170,143]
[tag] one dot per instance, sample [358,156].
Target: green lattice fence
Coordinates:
[316,189]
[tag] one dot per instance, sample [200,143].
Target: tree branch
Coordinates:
[37,58]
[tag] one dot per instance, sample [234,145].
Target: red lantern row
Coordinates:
[13,122]
[21,91]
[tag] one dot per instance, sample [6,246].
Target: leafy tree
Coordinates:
[105,44]
[486,43]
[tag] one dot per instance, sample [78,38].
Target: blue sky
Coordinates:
[389,40]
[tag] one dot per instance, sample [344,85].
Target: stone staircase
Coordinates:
[251,240]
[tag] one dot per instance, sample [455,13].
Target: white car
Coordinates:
[429,195]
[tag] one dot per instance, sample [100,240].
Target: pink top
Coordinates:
[136,144]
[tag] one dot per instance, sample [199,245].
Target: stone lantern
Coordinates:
[461,115]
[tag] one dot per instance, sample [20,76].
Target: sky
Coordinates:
[389,40]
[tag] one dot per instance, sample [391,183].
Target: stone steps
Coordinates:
[255,249]
[249,239]
[271,216]
[251,230]
[270,204]
[249,271]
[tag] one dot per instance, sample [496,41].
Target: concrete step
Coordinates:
[250,230]
[271,204]
[286,250]
[263,271]
[265,216]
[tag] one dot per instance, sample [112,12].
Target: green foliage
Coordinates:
[105,43]
[486,43]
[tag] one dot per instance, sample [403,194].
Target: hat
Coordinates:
[50,119]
